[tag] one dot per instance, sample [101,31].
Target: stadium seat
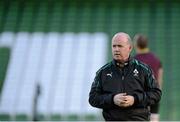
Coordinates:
[13,80]
[61,81]
[72,117]
[27,17]
[30,75]
[56,17]
[5,117]
[56,117]
[47,82]
[6,39]
[12,17]
[90,117]
[21,117]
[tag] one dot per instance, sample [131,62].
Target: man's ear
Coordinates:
[130,47]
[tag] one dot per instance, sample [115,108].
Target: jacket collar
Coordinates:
[121,65]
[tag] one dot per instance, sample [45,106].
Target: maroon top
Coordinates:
[151,60]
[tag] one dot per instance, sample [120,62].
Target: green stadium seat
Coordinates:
[72,118]
[42,17]
[57,17]
[27,19]
[4,59]
[56,117]
[21,117]
[90,118]
[4,117]
[41,117]
[1,15]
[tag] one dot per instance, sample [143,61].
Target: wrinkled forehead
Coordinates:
[120,38]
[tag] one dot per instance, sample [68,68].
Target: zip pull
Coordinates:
[123,77]
[123,74]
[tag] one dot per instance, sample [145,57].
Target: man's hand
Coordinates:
[119,99]
[123,100]
[129,100]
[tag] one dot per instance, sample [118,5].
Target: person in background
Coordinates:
[145,55]
[124,87]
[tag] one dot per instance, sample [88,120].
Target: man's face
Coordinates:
[121,48]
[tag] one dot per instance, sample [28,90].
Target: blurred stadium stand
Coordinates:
[43,41]
[62,64]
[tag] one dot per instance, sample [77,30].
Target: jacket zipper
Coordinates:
[122,74]
[123,80]
[123,77]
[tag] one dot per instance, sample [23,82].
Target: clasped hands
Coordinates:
[123,100]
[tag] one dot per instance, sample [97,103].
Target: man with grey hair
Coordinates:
[124,87]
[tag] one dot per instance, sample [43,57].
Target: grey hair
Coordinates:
[129,39]
[127,35]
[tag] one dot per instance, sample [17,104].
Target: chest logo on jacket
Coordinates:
[109,74]
[135,72]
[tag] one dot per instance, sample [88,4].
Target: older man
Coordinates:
[124,87]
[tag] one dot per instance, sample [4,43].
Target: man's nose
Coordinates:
[116,48]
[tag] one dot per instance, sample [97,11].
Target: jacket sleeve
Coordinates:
[97,98]
[151,94]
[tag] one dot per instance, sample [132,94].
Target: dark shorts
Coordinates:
[155,108]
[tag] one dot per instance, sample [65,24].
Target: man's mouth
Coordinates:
[116,54]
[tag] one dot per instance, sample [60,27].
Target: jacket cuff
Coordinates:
[109,100]
[112,99]
[135,99]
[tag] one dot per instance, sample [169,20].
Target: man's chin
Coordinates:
[117,57]
[119,60]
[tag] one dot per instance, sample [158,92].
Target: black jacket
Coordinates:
[136,79]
